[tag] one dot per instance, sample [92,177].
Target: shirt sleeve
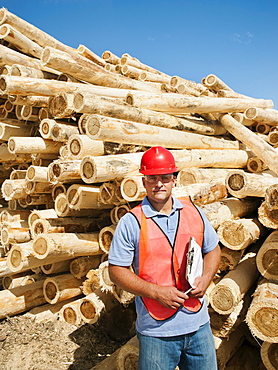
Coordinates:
[210,236]
[125,240]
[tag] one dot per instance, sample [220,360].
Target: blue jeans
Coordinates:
[193,351]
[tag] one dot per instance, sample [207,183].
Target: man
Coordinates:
[172,326]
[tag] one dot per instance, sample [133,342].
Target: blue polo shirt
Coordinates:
[124,252]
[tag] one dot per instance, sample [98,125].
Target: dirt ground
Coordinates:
[27,345]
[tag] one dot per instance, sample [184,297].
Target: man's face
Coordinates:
[159,187]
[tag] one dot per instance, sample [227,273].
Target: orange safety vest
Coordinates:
[162,264]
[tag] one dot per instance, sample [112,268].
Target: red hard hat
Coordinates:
[157,161]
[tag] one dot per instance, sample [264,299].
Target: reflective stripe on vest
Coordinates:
[162,264]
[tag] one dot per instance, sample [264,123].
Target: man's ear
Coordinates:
[174,181]
[143,181]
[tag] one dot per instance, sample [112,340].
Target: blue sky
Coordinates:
[236,40]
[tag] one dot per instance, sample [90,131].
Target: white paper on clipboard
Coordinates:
[194,266]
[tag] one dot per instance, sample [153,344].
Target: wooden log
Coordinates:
[69,313]
[37,35]
[21,299]
[125,358]
[118,212]
[13,189]
[271,197]
[47,312]
[153,77]
[59,188]
[81,145]
[223,325]
[64,170]
[23,71]
[108,193]
[36,199]
[63,225]
[110,57]
[267,257]
[56,247]
[4,268]
[176,80]
[134,62]
[33,100]
[84,197]
[202,193]
[210,158]
[7,130]
[109,167]
[231,289]
[241,118]
[273,138]
[79,267]
[256,165]
[268,217]
[11,282]
[93,306]
[63,209]
[32,187]
[239,234]
[21,258]
[214,83]
[23,43]
[98,278]
[269,116]
[10,57]
[269,355]
[229,258]
[189,176]
[181,104]
[8,157]
[122,131]
[32,145]
[9,236]
[37,173]
[90,72]
[132,188]
[262,315]
[87,53]
[18,174]
[96,105]
[56,267]
[105,237]
[43,213]
[258,146]
[61,287]
[242,184]
[227,347]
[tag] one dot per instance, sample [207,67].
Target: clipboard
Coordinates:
[194,264]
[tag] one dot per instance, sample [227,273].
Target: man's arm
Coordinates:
[210,267]
[168,296]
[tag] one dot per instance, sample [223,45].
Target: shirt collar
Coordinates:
[149,211]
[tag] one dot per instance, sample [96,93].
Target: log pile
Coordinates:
[73,128]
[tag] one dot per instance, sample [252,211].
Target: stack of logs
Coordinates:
[73,129]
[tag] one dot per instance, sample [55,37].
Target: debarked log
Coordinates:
[88,104]
[21,299]
[13,189]
[269,116]
[62,246]
[122,131]
[239,234]
[267,257]
[8,130]
[262,315]
[79,267]
[63,209]
[242,184]
[267,216]
[180,104]
[257,145]
[231,289]
[269,355]
[32,145]
[189,176]
[63,225]
[61,287]
[81,145]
